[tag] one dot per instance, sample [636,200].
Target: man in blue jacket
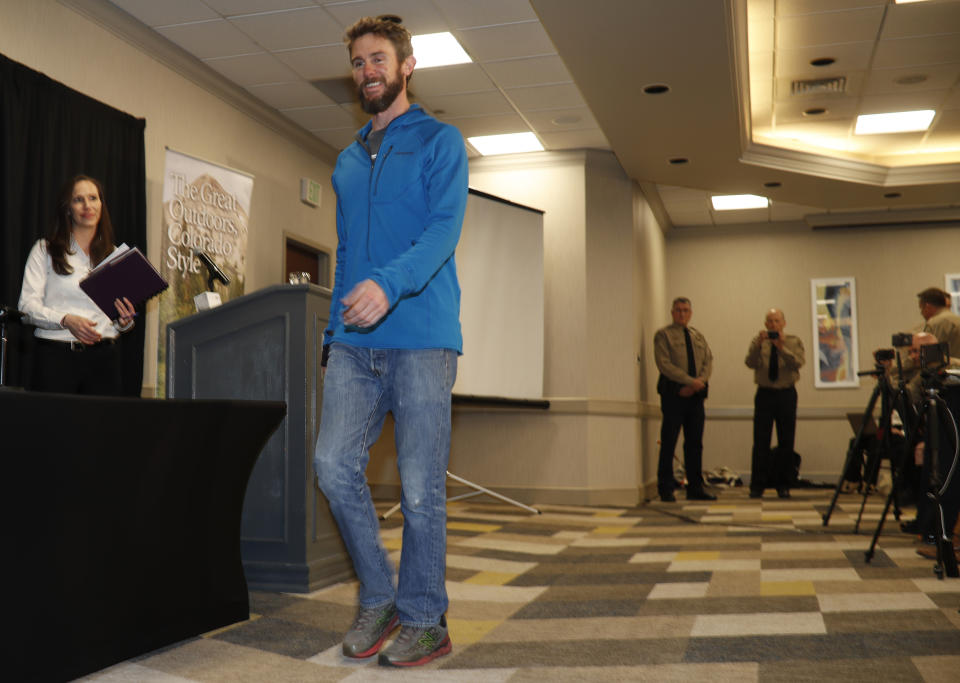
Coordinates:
[392,345]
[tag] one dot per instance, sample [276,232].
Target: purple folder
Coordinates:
[129,275]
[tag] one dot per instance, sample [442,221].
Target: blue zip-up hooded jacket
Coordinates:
[398,223]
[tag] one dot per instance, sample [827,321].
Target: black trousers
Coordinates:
[681,413]
[92,370]
[772,468]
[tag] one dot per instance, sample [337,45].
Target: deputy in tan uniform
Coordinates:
[685,363]
[776,359]
[941,322]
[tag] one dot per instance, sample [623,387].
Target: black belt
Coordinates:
[75,345]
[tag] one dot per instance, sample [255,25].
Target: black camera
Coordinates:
[934,356]
[881,355]
[773,334]
[902,339]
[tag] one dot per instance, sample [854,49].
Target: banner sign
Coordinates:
[206,207]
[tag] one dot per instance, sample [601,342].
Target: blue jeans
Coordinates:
[360,386]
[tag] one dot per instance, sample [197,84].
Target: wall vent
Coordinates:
[820,86]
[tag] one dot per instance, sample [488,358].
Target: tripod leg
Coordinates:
[868,555]
[870,472]
[854,450]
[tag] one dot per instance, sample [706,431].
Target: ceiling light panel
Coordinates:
[894,122]
[438,49]
[512,143]
[733,202]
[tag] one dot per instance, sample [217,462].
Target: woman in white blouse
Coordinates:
[76,350]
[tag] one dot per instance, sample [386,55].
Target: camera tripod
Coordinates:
[890,400]
[938,483]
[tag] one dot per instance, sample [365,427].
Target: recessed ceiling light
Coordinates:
[907,2]
[656,89]
[911,79]
[438,49]
[822,61]
[510,143]
[894,122]
[773,183]
[730,202]
[814,111]
[676,161]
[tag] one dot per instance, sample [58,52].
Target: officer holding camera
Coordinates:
[776,359]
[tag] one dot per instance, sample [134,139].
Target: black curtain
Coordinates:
[49,133]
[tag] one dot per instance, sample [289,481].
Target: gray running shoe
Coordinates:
[417,645]
[369,630]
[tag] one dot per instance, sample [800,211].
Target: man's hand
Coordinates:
[82,328]
[698,385]
[365,305]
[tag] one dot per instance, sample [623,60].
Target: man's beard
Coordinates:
[391,89]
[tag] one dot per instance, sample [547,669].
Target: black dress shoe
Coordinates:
[756,494]
[668,498]
[910,527]
[700,495]
[783,493]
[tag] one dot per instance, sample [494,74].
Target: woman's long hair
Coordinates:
[58,242]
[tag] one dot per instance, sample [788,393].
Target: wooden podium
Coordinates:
[267,346]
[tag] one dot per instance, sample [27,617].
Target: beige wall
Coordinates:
[603,253]
[66,46]
[733,275]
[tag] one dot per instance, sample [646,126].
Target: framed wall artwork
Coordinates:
[952,285]
[834,302]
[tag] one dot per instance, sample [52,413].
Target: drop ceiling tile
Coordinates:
[741,216]
[488,125]
[952,100]
[326,61]
[515,73]
[590,138]
[320,118]
[791,7]
[946,125]
[470,104]
[780,211]
[339,138]
[252,69]
[789,111]
[555,120]
[218,38]
[849,57]
[153,13]
[465,14]
[829,28]
[564,96]
[419,16]
[509,41]
[674,194]
[290,95]
[938,77]
[921,19]
[903,52]
[888,102]
[449,80]
[233,7]
[290,29]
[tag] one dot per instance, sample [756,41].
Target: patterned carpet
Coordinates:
[736,590]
